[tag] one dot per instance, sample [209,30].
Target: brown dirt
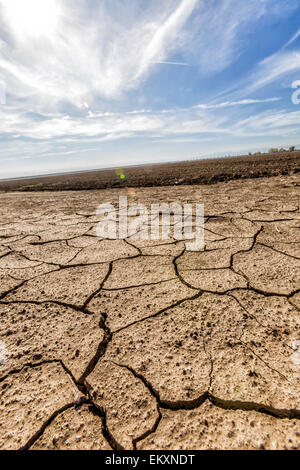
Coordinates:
[207,171]
[140,344]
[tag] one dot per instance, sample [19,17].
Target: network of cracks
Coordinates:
[140,344]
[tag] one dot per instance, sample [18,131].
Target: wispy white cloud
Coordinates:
[166,34]
[218,33]
[52,51]
[272,69]
[165,62]
[93,127]
[58,51]
[228,104]
[292,40]
[269,121]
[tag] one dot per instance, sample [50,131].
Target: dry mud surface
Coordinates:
[130,344]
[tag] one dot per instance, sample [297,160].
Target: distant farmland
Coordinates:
[206,171]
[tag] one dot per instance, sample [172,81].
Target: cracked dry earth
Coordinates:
[130,344]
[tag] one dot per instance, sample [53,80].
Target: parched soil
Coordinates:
[208,171]
[140,344]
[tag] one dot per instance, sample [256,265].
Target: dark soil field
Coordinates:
[207,171]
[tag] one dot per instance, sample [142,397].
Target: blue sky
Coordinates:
[100,83]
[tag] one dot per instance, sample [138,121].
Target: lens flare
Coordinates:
[120,173]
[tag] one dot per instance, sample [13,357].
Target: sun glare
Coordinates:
[31,17]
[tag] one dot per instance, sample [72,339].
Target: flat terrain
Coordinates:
[131,344]
[208,171]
